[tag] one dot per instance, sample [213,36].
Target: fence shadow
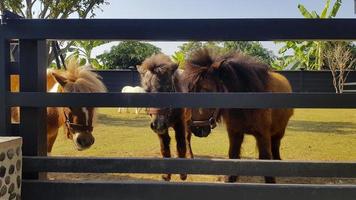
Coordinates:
[139,120]
[322,127]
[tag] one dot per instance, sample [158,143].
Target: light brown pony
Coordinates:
[206,71]
[78,121]
[160,74]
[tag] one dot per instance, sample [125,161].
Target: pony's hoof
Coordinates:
[166,177]
[230,179]
[183,177]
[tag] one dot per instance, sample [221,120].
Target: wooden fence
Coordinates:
[32,36]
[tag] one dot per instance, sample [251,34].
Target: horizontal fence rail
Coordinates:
[191,166]
[181,29]
[201,100]
[178,191]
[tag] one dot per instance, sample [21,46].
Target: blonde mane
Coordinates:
[80,79]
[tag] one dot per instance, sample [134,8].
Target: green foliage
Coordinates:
[127,53]
[83,50]
[251,48]
[308,54]
[254,49]
[49,9]
[179,58]
[189,47]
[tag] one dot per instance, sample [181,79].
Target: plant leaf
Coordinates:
[304,11]
[335,8]
[325,10]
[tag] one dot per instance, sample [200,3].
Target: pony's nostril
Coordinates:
[92,141]
[153,125]
[81,141]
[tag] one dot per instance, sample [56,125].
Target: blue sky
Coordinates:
[212,9]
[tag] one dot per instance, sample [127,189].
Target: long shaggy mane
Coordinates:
[241,73]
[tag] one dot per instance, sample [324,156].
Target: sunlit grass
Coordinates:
[312,134]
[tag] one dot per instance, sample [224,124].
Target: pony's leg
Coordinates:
[165,150]
[235,139]
[189,136]
[264,147]
[276,143]
[179,129]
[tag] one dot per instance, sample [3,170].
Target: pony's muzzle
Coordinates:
[84,141]
[158,127]
[200,131]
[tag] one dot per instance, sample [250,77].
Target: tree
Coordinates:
[339,60]
[179,58]
[309,54]
[254,49]
[126,54]
[53,9]
[251,48]
[189,47]
[83,50]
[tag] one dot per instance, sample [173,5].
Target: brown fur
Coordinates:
[160,74]
[239,73]
[79,80]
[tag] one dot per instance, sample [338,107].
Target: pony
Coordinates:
[130,89]
[78,121]
[209,71]
[159,74]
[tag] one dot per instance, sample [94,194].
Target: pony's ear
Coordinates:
[172,68]
[217,64]
[60,79]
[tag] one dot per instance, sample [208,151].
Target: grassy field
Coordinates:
[312,134]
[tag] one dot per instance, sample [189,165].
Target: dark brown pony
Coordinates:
[160,74]
[207,71]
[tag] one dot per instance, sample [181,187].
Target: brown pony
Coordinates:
[78,121]
[206,71]
[160,74]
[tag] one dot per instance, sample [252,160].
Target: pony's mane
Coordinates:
[156,63]
[167,75]
[82,79]
[241,73]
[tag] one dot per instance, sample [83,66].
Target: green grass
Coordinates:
[312,134]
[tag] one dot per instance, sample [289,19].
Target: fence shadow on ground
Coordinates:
[322,127]
[139,120]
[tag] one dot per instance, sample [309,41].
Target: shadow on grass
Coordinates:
[321,127]
[137,121]
[97,176]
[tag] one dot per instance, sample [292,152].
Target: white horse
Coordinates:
[130,89]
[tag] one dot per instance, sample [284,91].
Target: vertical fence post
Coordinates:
[33,124]
[5,119]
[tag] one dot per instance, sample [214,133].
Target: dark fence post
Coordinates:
[33,63]
[5,119]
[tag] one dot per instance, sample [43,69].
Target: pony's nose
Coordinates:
[85,142]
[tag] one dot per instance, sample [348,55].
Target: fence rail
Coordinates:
[177,191]
[181,29]
[191,166]
[200,100]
